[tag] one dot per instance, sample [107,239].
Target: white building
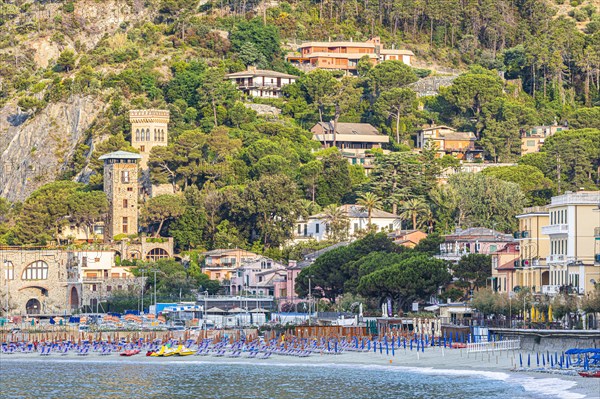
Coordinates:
[574,232]
[316,227]
[260,82]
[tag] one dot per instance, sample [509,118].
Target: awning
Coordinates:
[259,310]
[431,308]
[237,310]
[215,310]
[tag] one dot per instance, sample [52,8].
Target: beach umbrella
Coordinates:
[586,363]
[543,360]
[538,359]
[387,348]
[404,343]
[555,358]
[422,347]
[368,344]
[521,359]
[528,360]
[380,348]
[393,351]
[550,313]
[411,344]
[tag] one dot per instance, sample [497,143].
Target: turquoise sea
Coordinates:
[75,378]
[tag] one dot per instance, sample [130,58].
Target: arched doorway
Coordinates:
[156,253]
[74,298]
[33,306]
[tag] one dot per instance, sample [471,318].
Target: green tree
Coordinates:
[485,201]
[474,269]
[319,86]
[162,208]
[389,75]
[413,209]
[66,61]
[269,209]
[537,188]
[87,208]
[215,91]
[309,174]
[334,183]
[369,201]
[473,91]
[417,277]
[395,104]
[264,37]
[337,222]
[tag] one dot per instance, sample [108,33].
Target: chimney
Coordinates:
[252,68]
[292,263]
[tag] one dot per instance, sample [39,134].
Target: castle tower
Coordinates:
[149,128]
[122,188]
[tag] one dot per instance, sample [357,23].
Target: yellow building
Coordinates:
[533,139]
[532,270]
[220,264]
[573,227]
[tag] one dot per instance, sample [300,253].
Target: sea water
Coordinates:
[75,378]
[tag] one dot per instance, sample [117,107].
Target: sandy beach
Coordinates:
[434,361]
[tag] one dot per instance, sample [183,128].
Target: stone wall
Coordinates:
[552,340]
[47,290]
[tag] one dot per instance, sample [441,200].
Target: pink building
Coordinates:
[474,240]
[284,286]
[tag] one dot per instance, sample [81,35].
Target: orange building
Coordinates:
[407,238]
[448,141]
[345,55]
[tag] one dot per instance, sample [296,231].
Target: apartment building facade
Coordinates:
[573,228]
[345,55]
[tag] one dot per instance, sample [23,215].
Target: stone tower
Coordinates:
[149,128]
[122,189]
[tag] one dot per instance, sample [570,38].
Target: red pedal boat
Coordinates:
[592,374]
[130,352]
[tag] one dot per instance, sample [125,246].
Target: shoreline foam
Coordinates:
[497,366]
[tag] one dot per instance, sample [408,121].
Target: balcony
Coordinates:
[555,229]
[550,289]
[556,258]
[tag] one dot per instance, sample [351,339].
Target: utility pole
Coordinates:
[309,302]
[155,301]
[142,293]
[558,171]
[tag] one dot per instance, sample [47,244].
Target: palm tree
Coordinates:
[337,221]
[412,209]
[369,201]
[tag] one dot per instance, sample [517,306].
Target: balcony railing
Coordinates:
[550,289]
[556,258]
[555,229]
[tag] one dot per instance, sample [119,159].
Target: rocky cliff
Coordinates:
[35,149]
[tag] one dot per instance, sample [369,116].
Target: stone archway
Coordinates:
[74,298]
[33,306]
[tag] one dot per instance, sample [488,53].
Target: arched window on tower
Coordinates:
[147,134]
[142,136]
[137,134]
[155,136]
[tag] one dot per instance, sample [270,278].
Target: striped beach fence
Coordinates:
[494,346]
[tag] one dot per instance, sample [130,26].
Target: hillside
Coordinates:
[70,70]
